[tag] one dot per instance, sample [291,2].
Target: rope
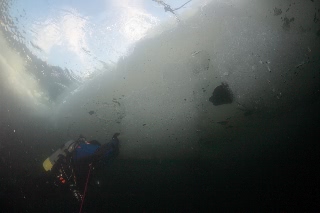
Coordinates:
[85,188]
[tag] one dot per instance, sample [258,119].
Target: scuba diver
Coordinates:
[72,163]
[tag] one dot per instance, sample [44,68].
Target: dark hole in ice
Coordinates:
[221,95]
[91,112]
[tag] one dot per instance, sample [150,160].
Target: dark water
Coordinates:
[276,169]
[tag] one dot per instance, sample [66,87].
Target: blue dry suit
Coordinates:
[84,150]
[94,152]
[85,154]
[72,169]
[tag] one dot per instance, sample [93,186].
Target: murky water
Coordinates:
[149,74]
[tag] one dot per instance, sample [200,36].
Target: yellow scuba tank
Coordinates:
[50,161]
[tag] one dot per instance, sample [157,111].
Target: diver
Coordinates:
[72,163]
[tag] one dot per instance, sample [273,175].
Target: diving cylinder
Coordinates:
[50,161]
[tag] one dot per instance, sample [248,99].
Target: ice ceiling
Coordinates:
[89,36]
[140,67]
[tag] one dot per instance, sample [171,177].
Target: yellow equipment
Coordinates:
[50,161]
